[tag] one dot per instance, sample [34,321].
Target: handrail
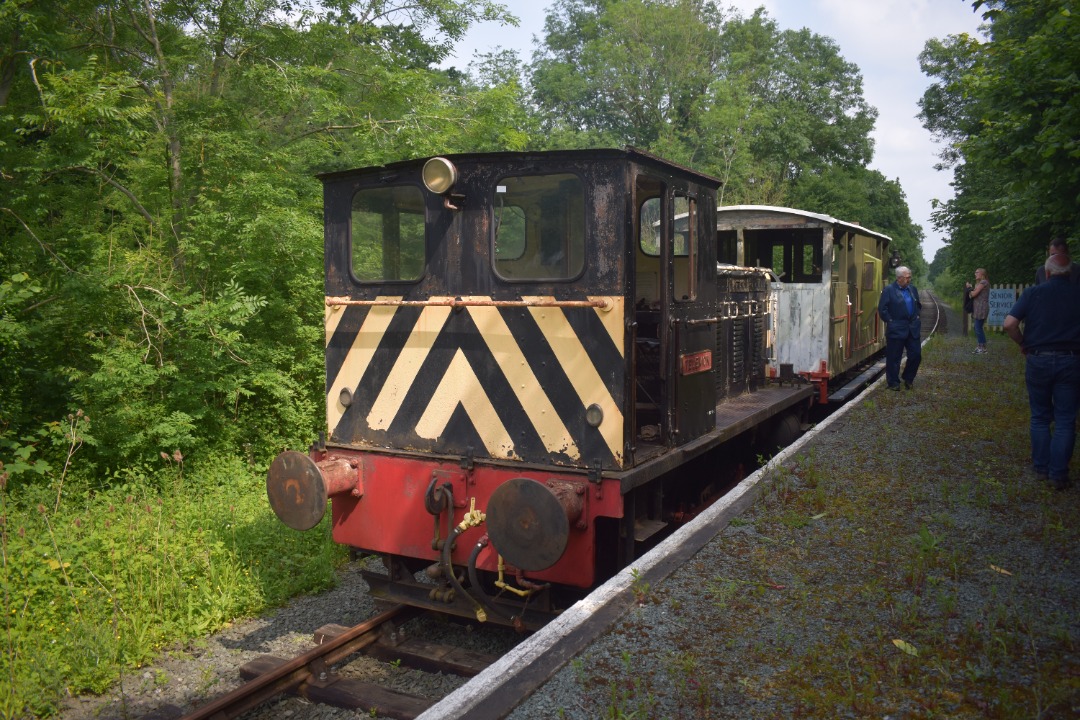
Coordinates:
[603,303]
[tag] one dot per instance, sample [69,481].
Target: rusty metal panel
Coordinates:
[804,312]
[391,516]
[743,304]
[457,358]
[461,361]
[827,325]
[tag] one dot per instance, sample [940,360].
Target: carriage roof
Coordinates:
[774,210]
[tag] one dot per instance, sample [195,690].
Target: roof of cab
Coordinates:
[629,153]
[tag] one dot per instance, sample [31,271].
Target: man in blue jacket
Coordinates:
[899,308]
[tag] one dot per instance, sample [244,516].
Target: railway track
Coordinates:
[327,672]
[933,315]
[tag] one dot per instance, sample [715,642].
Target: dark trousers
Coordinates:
[894,349]
[1053,385]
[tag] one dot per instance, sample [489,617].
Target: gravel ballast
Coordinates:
[904,564]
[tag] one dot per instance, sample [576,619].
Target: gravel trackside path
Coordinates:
[904,564]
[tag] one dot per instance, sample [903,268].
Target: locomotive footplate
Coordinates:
[733,416]
[409,591]
[751,409]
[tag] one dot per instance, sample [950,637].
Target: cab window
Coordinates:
[685,256]
[684,251]
[538,227]
[387,230]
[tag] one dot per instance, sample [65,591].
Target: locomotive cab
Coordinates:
[542,285]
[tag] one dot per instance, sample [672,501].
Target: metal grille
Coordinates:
[738,351]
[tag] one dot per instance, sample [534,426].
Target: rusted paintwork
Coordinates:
[463,361]
[298,487]
[391,518]
[529,524]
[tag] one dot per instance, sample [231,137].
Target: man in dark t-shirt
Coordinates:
[1050,341]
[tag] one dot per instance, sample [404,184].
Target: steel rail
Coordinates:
[295,672]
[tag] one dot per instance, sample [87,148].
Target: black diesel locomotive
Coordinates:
[529,357]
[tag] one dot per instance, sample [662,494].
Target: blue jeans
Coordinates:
[980,336]
[1053,385]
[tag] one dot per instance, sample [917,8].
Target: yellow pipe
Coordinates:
[472,518]
[503,586]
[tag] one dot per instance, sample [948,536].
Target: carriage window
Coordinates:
[811,265]
[794,255]
[388,234]
[727,247]
[871,272]
[538,227]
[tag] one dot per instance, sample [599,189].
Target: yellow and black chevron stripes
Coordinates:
[403,373]
[502,382]
[583,375]
[357,359]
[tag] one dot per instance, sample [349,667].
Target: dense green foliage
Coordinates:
[777,115]
[1009,109]
[97,580]
[158,169]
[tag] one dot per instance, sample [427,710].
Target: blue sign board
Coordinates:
[1001,302]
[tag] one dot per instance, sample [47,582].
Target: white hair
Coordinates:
[1057,265]
[903,270]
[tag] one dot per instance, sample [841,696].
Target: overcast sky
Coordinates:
[883,37]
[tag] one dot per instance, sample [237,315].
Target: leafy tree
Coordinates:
[16,295]
[628,72]
[157,166]
[733,97]
[940,263]
[1009,109]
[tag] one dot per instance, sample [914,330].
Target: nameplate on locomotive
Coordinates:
[695,362]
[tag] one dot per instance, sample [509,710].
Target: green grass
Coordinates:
[95,583]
